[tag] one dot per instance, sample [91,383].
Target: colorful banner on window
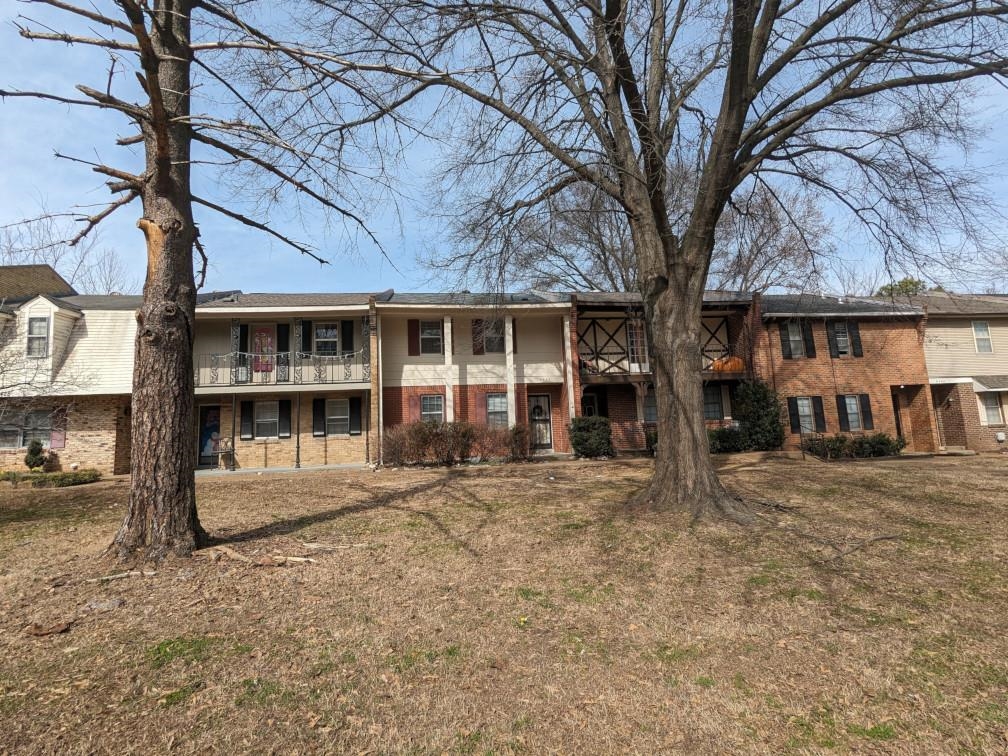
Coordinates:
[263,347]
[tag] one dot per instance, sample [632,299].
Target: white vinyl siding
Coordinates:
[950,347]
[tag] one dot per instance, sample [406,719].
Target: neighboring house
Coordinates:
[846,365]
[485,359]
[966,346]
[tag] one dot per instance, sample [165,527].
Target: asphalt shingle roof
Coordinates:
[940,303]
[19,283]
[787,305]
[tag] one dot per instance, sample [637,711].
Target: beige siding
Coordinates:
[99,358]
[60,328]
[540,354]
[212,337]
[399,369]
[950,350]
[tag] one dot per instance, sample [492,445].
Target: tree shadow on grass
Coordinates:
[396,500]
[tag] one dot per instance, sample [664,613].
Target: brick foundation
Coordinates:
[955,406]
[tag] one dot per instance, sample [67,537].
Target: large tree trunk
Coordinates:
[161,518]
[684,476]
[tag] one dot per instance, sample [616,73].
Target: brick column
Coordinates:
[575,359]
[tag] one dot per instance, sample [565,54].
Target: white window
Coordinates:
[267,419]
[38,337]
[650,406]
[796,339]
[337,417]
[806,417]
[430,336]
[34,426]
[497,411]
[853,404]
[982,337]
[713,409]
[991,402]
[637,343]
[432,408]
[10,437]
[842,338]
[327,339]
[493,336]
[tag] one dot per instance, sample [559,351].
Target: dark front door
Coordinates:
[539,419]
[896,404]
[209,434]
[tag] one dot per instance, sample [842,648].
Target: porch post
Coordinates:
[512,404]
[449,371]
[297,442]
[568,366]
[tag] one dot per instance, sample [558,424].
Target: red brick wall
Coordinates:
[893,355]
[627,428]
[395,402]
[957,406]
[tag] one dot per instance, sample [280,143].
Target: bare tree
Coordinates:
[213,94]
[849,98]
[86,266]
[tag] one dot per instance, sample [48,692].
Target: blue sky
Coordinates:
[33,179]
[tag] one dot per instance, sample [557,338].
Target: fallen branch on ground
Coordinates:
[857,547]
[276,560]
[329,546]
[121,575]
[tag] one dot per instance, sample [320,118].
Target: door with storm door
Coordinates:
[539,420]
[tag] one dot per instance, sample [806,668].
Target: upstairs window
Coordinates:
[493,336]
[796,339]
[497,412]
[430,337]
[982,337]
[38,337]
[842,337]
[992,408]
[327,339]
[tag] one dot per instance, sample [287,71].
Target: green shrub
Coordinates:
[591,437]
[52,479]
[854,447]
[725,440]
[651,439]
[758,411]
[35,459]
[519,443]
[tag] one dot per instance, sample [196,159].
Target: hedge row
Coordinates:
[52,479]
[428,442]
[854,447]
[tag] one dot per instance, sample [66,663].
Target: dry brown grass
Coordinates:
[522,609]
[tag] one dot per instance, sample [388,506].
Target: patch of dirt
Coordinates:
[519,608]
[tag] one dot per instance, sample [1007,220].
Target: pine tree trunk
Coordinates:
[684,476]
[161,517]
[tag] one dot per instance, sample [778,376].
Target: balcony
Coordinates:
[722,360]
[616,364]
[281,369]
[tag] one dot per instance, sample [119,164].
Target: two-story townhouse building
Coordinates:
[614,376]
[966,348]
[495,359]
[846,365]
[66,374]
[286,380]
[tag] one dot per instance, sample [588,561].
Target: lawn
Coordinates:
[521,609]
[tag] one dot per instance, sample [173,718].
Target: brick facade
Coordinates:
[893,357]
[959,419]
[97,435]
[283,452]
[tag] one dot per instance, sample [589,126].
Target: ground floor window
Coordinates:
[17,432]
[713,408]
[853,406]
[991,402]
[337,417]
[267,419]
[497,411]
[432,408]
[650,406]
[806,419]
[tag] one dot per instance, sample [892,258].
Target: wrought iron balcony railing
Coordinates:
[281,368]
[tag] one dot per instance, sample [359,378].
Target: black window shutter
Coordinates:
[283,337]
[283,414]
[347,335]
[306,336]
[841,408]
[318,417]
[834,351]
[785,341]
[819,414]
[806,327]
[792,410]
[243,338]
[866,417]
[355,415]
[247,432]
[855,338]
